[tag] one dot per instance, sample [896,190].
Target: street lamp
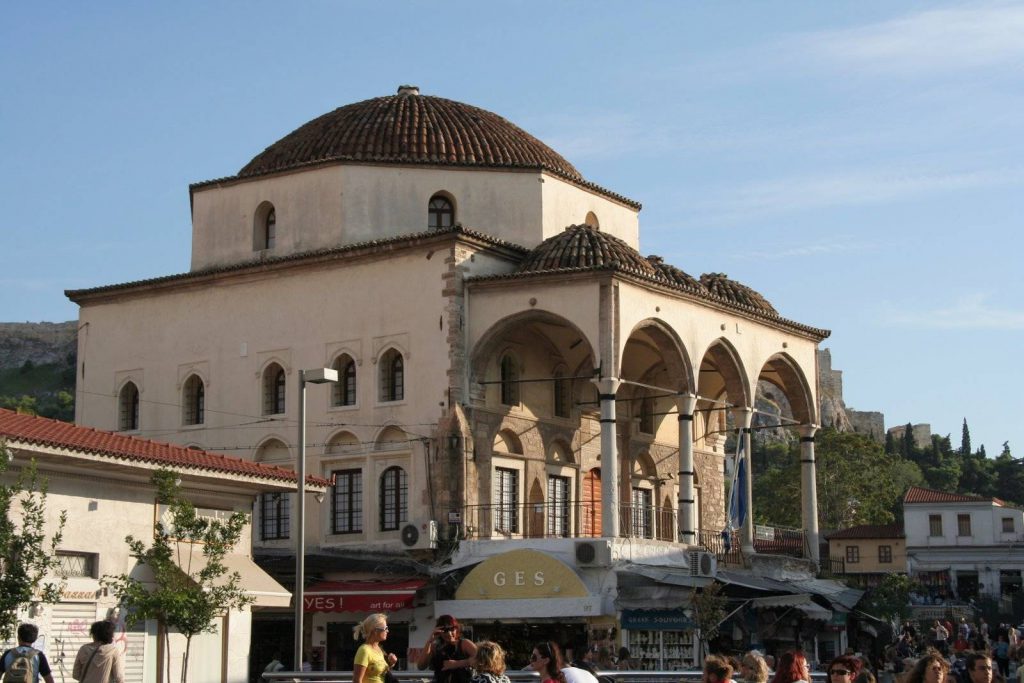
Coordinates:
[316,376]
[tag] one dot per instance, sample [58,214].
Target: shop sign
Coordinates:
[521,575]
[656,620]
[838,621]
[357,603]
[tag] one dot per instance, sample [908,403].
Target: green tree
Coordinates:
[1009,477]
[977,475]
[191,586]
[857,483]
[965,440]
[708,605]
[28,560]
[890,599]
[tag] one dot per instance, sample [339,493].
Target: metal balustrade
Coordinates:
[684,676]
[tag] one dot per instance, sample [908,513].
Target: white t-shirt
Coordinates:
[576,675]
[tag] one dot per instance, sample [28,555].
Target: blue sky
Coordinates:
[860,164]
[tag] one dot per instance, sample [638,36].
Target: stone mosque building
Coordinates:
[531,415]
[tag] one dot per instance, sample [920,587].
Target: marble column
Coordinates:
[686,404]
[809,491]
[606,387]
[744,417]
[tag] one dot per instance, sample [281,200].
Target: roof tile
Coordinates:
[916,494]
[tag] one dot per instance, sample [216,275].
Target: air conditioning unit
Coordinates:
[593,554]
[702,563]
[420,537]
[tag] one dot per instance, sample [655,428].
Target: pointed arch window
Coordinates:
[392,376]
[273,390]
[128,408]
[194,401]
[440,213]
[394,499]
[343,392]
[509,380]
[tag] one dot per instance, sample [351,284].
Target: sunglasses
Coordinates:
[381,628]
[449,629]
[839,672]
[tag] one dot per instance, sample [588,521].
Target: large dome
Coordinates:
[409,128]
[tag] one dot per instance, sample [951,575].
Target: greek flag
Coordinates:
[737,512]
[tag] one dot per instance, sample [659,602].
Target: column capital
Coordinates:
[744,416]
[807,431]
[607,385]
[686,403]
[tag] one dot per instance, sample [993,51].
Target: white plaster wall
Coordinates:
[985,520]
[566,204]
[345,204]
[299,319]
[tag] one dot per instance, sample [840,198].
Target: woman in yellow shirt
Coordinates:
[371,661]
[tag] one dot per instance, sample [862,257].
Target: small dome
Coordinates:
[666,271]
[409,128]
[583,247]
[721,286]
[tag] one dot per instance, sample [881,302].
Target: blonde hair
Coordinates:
[757,665]
[489,658]
[367,625]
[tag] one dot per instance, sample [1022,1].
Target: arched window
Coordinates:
[562,394]
[343,392]
[273,390]
[591,221]
[509,380]
[392,376]
[194,401]
[128,408]
[440,213]
[394,499]
[264,229]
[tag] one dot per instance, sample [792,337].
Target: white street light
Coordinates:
[315,376]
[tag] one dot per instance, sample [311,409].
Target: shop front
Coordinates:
[525,596]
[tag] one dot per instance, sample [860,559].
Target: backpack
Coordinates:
[23,666]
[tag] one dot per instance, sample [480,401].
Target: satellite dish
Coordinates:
[410,535]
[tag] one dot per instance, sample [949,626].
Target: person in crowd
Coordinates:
[546,660]
[792,667]
[575,674]
[23,655]
[930,668]
[716,669]
[843,669]
[99,661]
[583,658]
[489,663]
[979,668]
[604,659]
[1001,653]
[275,664]
[770,661]
[625,662]
[371,661]
[754,668]
[447,653]
[940,637]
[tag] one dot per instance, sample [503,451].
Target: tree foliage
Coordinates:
[28,559]
[191,587]
[708,606]
[857,483]
[890,599]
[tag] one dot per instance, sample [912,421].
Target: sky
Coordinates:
[861,164]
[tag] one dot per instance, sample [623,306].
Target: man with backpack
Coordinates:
[24,663]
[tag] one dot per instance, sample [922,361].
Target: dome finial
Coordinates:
[408,90]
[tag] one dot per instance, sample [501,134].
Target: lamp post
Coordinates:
[316,376]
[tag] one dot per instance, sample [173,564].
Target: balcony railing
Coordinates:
[565,519]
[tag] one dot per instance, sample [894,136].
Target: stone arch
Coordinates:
[670,346]
[535,510]
[273,449]
[391,438]
[507,441]
[784,372]
[722,358]
[342,442]
[560,453]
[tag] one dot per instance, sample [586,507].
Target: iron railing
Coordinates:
[565,519]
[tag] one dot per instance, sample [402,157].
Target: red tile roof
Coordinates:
[41,431]
[894,530]
[916,494]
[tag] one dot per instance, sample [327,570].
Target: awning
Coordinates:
[799,602]
[361,596]
[254,581]
[643,587]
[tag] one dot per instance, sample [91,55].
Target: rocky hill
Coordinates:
[40,343]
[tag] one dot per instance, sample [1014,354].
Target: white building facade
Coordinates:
[976,544]
[513,370]
[103,482]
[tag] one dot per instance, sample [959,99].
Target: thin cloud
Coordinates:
[786,195]
[934,40]
[969,312]
[803,251]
